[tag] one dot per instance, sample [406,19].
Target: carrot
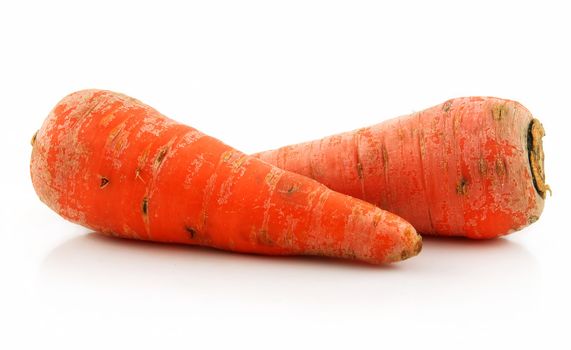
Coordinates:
[115,165]
[468,167]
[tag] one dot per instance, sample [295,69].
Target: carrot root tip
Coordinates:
[33,141]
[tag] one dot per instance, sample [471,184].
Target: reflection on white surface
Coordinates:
[490,280]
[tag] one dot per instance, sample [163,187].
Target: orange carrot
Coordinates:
[115,165]
[468,167]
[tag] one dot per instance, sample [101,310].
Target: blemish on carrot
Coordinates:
[418,246]
[456,120]
[446,106]
[161,156]
[500,167]
[360,170]
[422,144]
[104,182]
[385,156]
[89,110]
[203,220]
[191,231]
[138,175]
[262,237]
[462,186]
[350,254]
[401,134]
[405,254]
[239,162]
[292,189]
[115,132]
[499,111]
[272,177]
[145,206]
[482,167]
[226,156]
[108,119]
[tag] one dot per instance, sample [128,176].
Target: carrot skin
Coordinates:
[115,165]
[461,168]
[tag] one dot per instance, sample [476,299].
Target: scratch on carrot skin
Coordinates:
[271,180]
[280,156]
[482,167]
[116,131]
[288,189]
[226,156]
[161,156]
[225,191]
[129,232]
[360,174]
[90,109]
[273,177]
[400,133]
[384,195]
[193,169]
[105,121]
[309,156]
[317,212]
[138,175]
[263,238]
[208,191]
[190,137]
[237,165]
[499,111]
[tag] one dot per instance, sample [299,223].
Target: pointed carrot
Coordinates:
[113,164]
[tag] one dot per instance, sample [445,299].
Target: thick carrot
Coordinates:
[468,167]
[115,165]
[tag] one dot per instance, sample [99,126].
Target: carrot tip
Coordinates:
[413,249]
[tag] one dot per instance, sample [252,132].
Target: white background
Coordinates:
[261,74]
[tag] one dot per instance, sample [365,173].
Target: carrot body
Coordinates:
[468,167]
[110,163]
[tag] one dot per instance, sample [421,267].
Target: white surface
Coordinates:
[259,75]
